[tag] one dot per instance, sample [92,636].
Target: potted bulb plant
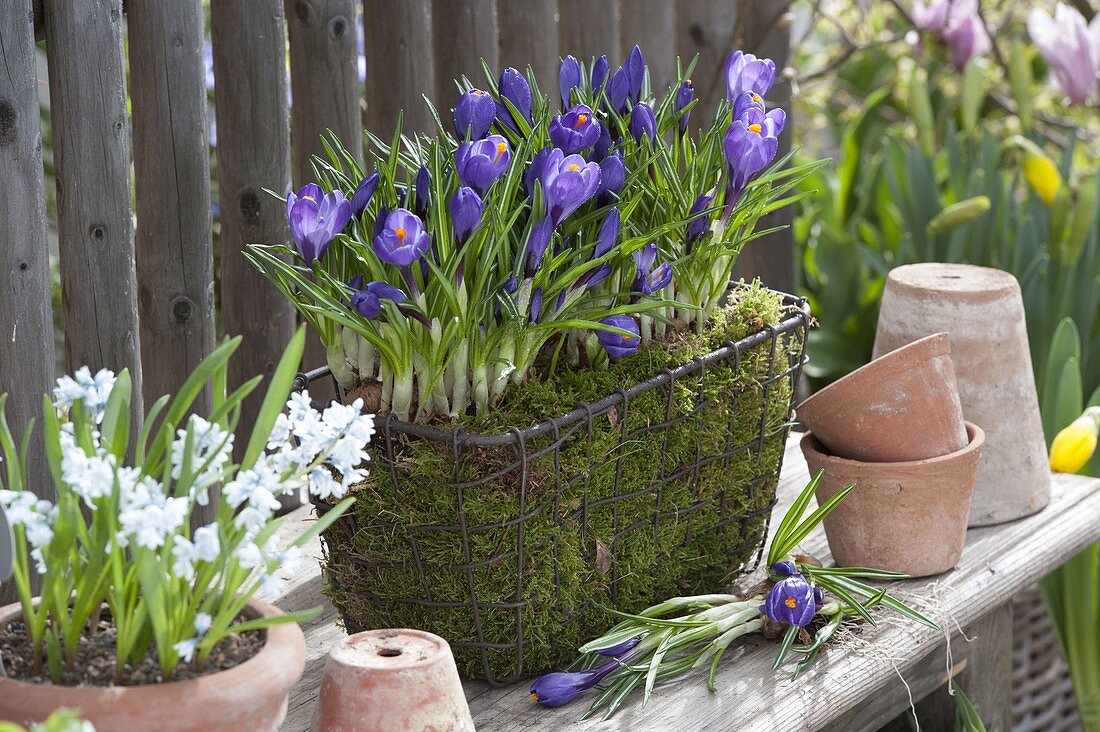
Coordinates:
[148,618]
[573,404]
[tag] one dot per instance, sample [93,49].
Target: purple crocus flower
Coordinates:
[819,598]
[534,170]
[621,648]
[538,240]
[602,146]
[617,344]
[536,304]
[643,122]
[1071,47]
[790,601]
[612,177]
[511,284]
[965,34]
[567,183]
[576,130]
[747,100]
[367,301]
[609,233]
[635,69]
[618,90]
[364,192]
[473,115]
[513,86]
[600,70]
[784,569]
[380,222]
[750,146]
[684,96]
[423,191]
[698,227]
[648,280]
[745,72]
[481,162]
[559,688]
[403,239]
[568,78]
[315,219]
[466,208]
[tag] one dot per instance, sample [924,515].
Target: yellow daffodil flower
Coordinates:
[1074,445]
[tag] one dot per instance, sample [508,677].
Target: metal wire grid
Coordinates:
[548,439]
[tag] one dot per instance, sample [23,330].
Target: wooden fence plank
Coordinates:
[249,38]
[400,64]
[465,32]
[705,27]
[651,24]
[589,28]
[26,322]
[92,153]
[172,178]
[528,37]
[324,81]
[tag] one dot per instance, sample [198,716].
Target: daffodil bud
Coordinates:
[1040,171]
[958,214]
[1074,445]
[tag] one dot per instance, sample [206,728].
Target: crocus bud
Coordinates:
[599,150]
[380,222]
[511,284]
[466,210]
[618,89]
[612,177]
[1074,445]
[423,191]
[576,130]
[473,115]
[697,228]
[745,72]
[534,170]
[643,122]
[513,86]
[364,192]
[609,233]
[599,74]
[784,569]
[684,96]
[568,78]
[536,304]
[537,242]
[635,69]
[616,344]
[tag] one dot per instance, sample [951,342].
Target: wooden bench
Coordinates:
[860,683]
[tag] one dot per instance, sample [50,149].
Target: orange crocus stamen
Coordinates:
[501,149]
[756,98]
[308,198]
[755,128]
[581,119]
[790,602]
[534,696]
[400,233]
[574,166]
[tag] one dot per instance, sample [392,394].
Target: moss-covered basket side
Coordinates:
[506,551]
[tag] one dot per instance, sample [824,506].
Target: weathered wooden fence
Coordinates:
[143,296]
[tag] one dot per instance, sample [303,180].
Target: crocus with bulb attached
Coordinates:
[315,219]
[616,344]
[576,130]
[466,208]
[473,115]
[403,239]
[746,72]
[481,162]
[567,183]
[1071,47]
[790,601]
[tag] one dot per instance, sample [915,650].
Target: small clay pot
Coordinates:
[907,517]
[385,680]
[900,407]
[252,696]
[983,311]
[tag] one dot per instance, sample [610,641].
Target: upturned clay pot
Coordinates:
[907,517]
[251,696]
[384,680]
[902,406]
[983,312]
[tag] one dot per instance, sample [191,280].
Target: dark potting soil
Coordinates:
[95,658]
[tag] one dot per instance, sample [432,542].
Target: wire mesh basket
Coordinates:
[1042,693]
[510,544]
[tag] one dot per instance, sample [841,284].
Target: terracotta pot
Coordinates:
[905,517]
[983,312]
[384,680]
[902,406]
[251,696]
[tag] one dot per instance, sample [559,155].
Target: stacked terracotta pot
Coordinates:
[895,429]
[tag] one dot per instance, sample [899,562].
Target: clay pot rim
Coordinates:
[835,396]
[1000,284]
[275,659]
[350,641]
[976,440]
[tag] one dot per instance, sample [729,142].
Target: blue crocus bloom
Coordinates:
[403,239]
[537,242]
[481,162]
[364,192]
[790,601]
[635,68]
[513,86]
[367,301]
[617,344]
[612,177]
[745,101]
[466,208]
[684,96]
[750,146]
[698,227]
[576,130]
[745,71]
[784,569]
[600,70]
[423,191]
[561,687]
[534,170]
[648,280]
[567,183]
[643,122]
[618,90]
[473,115]
[315,219]
[568,78]
[609,233]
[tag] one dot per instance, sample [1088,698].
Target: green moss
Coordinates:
[664,495]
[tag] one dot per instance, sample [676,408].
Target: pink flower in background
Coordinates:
[1071,47]
[930,17]
[957,24]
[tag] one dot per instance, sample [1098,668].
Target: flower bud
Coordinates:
[958,214]
[568,78]
[1074,445]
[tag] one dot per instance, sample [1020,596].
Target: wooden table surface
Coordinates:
[856,684]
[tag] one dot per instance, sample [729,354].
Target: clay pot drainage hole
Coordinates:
[389,652]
